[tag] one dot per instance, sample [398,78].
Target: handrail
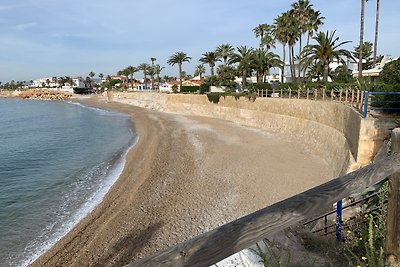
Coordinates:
[345,207]
[213,246]
[368,101]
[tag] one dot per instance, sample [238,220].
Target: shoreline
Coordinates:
[93,200]
[133,221]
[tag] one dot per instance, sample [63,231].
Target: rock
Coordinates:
[44,95]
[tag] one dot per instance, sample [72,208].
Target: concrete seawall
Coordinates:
[335,131]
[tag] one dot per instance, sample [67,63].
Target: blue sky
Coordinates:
[45,38]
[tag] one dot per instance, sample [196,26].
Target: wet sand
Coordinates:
[185,176]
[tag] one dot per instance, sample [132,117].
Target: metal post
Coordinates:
[339,220]
[326,224]
[365,104]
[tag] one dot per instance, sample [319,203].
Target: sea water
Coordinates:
[57,161]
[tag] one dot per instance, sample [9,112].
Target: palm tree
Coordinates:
[261,31]
[293,33]
[225,51]
[47,82]
[144,67]
[210,58]
[325,51]
[158,70]
[88,83]
[302,11]
[54,80]
[200,70]
[262,61]
[179,58]
[361,39]
[287,31]
[376,31]
[152,71]
[314,22]
[281,34]
[243,57]
[91,75]
[131,70]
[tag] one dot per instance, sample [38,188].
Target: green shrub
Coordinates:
[81,90]
[215,97]
[391,72]
[204,88]
[190,89]
[262,86]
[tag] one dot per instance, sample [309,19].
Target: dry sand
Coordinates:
[186,175]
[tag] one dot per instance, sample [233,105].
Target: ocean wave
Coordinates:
[107,172]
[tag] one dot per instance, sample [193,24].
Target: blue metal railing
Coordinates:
[368,102]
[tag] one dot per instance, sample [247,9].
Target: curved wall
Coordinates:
[334,130]
[330,129]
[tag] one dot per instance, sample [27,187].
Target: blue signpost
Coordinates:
[339,221]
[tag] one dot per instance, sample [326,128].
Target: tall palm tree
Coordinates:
[200,70]
[91,75]
[281,34]
[210,58]
[376,31]
[315,21]
[360,56]
[243,57]
[158,70]
[152,71]
[302,11]
[179,58]
[144,67]
[131,70]
[293,33]
[262,61]
[325,51]
[263,30]
[225,51]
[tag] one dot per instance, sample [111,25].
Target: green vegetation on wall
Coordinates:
[391,72]
[190,89]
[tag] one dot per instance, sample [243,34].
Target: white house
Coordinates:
[375,72]
[44,82]
[78,82]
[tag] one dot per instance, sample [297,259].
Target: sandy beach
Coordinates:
[185,176]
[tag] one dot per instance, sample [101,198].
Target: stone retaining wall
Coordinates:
[335,131]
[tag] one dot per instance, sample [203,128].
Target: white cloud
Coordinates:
[24,26]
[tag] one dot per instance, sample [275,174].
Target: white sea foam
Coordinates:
[99,110]
[67,220]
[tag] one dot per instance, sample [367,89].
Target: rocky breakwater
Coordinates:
[45,95]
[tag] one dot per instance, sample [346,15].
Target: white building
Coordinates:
[44,82]
[375,72]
